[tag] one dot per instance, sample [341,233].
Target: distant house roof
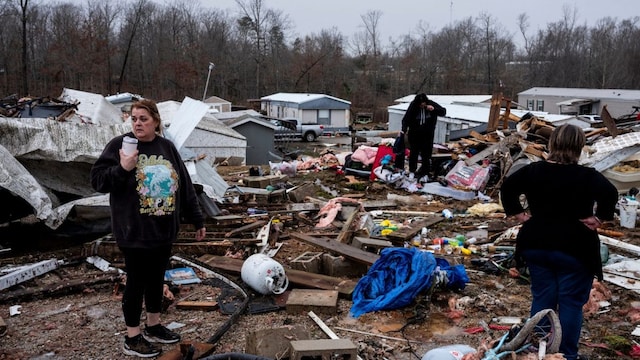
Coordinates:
[243,119]
[210,123]
[300,98]
[216,100]
[620,94]
[449,99]
[480,114]
[222,116]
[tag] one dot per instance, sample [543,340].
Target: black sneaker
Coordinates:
[139,346]
[160,334]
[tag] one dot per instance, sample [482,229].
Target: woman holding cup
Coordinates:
[149,191]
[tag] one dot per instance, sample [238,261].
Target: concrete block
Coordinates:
[301,301]
[309,262]
[300,192]
[261,182]
[371,245]
[338,266]
[323,349]
[274,343]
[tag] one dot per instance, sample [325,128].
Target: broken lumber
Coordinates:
[348,251]
[27,272]
[325,328]
[62,287]
[197,305]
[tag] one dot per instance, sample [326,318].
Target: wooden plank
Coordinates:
[494,112]
[318,301]
[624,282]
[620,244]
[109,249]
[476,135]
[405,233]
[248,227]
[347,251]
[197,305]
[346,234]
[609,122]
[27,272]
[61,287]
[299,278]
[378,204]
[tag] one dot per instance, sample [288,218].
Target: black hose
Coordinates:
[235,356]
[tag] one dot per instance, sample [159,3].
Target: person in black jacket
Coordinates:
[419,123]
[149,191]
[558,241]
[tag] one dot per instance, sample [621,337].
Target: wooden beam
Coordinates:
[609,122]
[59,288]
[197,305]
[348,251]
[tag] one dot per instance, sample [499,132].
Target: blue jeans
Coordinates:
[560,282]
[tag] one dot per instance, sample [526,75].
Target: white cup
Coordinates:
[129,145]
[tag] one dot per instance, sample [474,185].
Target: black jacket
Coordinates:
[420,120]
[559,195]
[147,202]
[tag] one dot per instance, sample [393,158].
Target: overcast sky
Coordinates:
[400,17]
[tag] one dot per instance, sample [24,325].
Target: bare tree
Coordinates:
[131,25]
[24,19]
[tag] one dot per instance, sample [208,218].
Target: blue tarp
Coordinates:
[398,276]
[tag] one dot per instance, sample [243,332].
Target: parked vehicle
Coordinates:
[290,129]
[591,119]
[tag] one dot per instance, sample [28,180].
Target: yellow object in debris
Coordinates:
[465,251]
[385,223]
[386,232]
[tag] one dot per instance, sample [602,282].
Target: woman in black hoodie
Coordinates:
[419,123]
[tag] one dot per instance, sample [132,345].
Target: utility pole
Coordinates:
[211,66]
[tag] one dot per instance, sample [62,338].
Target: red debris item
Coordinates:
[474,330]
[499,327]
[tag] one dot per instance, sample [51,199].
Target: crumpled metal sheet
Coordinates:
[92,108]
[16,179]
[44,139]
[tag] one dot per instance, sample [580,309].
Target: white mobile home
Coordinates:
[308,108]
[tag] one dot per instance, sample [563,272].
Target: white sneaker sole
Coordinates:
[135,353]
[153,339]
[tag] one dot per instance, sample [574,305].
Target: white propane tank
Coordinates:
[264,275]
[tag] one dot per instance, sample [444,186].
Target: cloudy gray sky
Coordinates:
[400,17]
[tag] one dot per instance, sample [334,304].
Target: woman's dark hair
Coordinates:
[152,108]
[421,98]
[566,143]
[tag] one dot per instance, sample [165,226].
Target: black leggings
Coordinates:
[145,280]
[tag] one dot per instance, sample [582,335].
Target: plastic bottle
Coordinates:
[447,214]
[470,241]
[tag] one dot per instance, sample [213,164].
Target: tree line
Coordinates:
[163,51]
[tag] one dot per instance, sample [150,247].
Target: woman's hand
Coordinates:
[200,233]
[592,222]
[522,217]
[430,107]
[128,162]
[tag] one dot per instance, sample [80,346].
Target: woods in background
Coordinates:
[162,51]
